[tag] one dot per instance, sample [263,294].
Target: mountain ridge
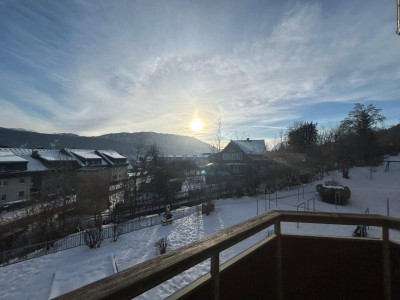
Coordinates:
[123,142]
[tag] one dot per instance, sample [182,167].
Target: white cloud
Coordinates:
[136,67]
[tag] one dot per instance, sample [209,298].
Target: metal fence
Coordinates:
[76,240]
[148,206]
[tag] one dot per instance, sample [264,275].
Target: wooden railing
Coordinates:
[136,280]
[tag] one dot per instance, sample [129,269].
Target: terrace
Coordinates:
[281,266]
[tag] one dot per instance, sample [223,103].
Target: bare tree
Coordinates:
[140,146]
[116,231]
[239,135]
[218,137]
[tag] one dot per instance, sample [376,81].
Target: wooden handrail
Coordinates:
[140,278]
[339,218]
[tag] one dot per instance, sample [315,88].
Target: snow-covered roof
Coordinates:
[86,153]
[251,146]
[53,155]
[24,155]
[7,156]
[111,153]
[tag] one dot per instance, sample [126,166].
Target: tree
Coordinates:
[302,136]
[218,137]
[139,146]
[362,122]
[216,148]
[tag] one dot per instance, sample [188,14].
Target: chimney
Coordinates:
[35,154]
[248,139]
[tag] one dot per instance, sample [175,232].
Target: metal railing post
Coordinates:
[215,275]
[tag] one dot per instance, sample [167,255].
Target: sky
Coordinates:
[97,67]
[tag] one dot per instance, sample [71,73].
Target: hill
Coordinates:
[123,142]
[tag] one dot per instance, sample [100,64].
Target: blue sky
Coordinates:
[95,67]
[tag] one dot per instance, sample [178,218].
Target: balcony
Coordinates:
[281,266]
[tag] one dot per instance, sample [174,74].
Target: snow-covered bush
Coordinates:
[333,192]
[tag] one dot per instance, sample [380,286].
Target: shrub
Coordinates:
[162,246]
[93,237]
[332,192]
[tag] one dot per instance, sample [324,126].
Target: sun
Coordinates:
[196,125]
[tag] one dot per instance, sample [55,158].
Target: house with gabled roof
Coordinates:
[240,155]
[242,163]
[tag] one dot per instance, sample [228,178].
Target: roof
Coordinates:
[85,154]
[24,155]
[53,155]
[7,156]
[251,146]
[111,153]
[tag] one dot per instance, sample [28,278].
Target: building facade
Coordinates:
[31,174]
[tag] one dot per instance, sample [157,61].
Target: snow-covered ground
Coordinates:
[48,276]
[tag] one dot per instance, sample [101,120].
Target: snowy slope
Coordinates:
[52,275]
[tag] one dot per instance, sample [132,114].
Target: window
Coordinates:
[21,195]
[22,180]
[235,169]
[3,182]
[232,156]
[3,197]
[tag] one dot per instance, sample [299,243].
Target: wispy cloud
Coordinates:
[95,67]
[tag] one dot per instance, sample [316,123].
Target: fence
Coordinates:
[76,240]
[147,206]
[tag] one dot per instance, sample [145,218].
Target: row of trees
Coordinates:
[358,138]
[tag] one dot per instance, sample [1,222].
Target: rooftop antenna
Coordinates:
[398,17]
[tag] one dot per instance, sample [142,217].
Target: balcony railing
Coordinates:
[136,280]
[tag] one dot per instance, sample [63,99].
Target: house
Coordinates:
[243,156]
[242,163]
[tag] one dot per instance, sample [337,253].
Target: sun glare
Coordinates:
[196,125]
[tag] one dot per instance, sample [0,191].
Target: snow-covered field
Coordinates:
[48,276]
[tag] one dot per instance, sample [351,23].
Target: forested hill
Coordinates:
[124,143]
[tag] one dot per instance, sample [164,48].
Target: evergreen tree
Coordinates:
[302,137]
[362,123]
